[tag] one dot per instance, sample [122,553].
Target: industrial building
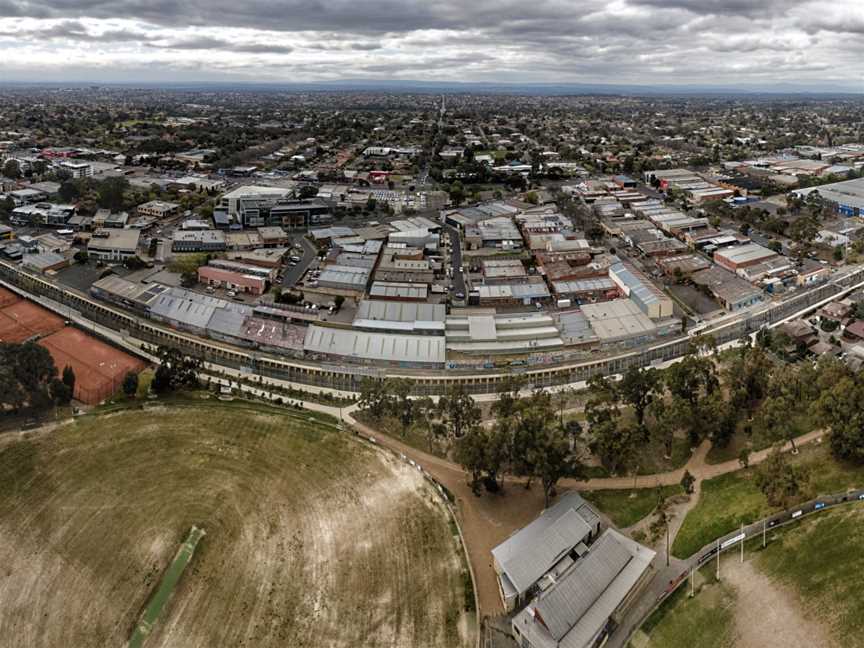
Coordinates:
[847,196]
[344,277]
[421,350]
[635,285]
[732,292]
[619,319]
[247,283]
[742,256]
[113,244]
[483,332]
[401,317]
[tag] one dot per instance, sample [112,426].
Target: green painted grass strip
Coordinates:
[166,586]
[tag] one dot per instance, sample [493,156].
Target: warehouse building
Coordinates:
[742,256]
[512,294]
[246,283]
[413,350]
[344,277]
[618,320]
[732,292]
[847,196]
[482,332]
[398,291]
[683,265]
[400,317]
[635,285]
[591,289]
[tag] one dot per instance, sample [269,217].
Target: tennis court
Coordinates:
[7,297]
[99,368]
[21,320]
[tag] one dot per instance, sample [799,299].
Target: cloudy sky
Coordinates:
[813,43]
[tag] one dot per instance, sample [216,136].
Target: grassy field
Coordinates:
[799,422]
[728,501]
[705,621]
[313,538]
[801,590]
[828,552]
[626,507]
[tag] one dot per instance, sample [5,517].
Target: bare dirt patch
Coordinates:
[768,614]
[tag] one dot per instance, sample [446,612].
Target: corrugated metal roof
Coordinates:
[575,609]
[533,550]
[397,311]
[427,349]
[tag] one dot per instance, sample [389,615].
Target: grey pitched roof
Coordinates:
[575,609]
[533,550]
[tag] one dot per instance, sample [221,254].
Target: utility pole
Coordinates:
[692,585]
[742,542]
[667,538]
[718,559]
[764,532]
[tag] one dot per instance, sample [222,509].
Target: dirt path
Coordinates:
[488,520]
[767,615]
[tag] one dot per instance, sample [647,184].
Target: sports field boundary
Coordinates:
[166,586]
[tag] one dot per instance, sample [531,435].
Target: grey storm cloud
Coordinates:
[748,8]
[634,40]
[210,43]
[77,31]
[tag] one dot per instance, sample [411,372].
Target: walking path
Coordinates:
[488,520]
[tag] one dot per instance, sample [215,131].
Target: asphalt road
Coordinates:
[456,261]
[293,274]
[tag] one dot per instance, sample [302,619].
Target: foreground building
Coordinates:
[531,559]
[585,602]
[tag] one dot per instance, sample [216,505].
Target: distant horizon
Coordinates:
[492,87]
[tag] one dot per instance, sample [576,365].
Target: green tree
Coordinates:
[664,419]
[374,398]
[11,169]
[691,380]
[552,459]
[458,410]
[457,193]
[111,193]
[69,192]
[687,482]
[27,375]
[470,453]
[638,388]
[175,371]
[130,384]
[400,388]
[746,377]
[69,378]
[839,407]
[780,481]
[615,445]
